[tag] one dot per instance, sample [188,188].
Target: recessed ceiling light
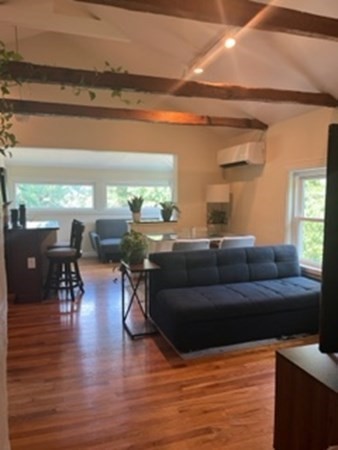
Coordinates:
[198,70]
[230,42]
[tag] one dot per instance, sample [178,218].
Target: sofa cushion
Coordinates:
[219,266]
[111,244]
[236,299]
[180,269]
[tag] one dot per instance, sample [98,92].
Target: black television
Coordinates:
[328,320]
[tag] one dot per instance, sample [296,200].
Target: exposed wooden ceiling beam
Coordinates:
[166,86]
[98,112]
[238,13]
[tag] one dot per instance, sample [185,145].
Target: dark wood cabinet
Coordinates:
[306,402]
[26,264]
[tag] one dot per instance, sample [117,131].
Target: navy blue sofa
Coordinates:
[217,297]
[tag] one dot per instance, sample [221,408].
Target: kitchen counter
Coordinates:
[26,264]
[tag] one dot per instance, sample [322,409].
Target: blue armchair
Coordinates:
[106,238]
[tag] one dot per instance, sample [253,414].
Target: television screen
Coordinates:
[328,323]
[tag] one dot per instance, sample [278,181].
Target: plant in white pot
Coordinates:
[135,205]
[167,210]
[134,247]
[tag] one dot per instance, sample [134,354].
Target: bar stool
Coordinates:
[63,269]
[71,237]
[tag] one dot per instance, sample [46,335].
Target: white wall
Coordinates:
[195,149]
[98,177]
[260,193]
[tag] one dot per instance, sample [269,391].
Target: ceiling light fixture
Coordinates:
[198,70]
[226,38]
[230,42]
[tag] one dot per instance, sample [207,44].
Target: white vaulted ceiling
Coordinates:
[84,35]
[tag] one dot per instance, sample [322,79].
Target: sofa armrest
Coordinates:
[94,240]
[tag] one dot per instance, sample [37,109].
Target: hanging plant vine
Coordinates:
[114,93]
[7,137]
[7,81]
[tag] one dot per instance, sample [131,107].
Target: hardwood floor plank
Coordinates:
[77,381]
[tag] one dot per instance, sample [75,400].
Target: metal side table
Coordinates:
[136,274]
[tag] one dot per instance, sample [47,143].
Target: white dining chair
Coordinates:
[237,241]
[190,244]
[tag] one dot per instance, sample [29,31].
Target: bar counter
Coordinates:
[26,264]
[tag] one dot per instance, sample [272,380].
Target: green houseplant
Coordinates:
[167,209]
[7,137]
[134,247]
[217,221]
[135,205]
[217,216]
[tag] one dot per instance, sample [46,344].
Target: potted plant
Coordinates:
[135,205]
[217,220]
[167,209]
[217,216]
[134,247]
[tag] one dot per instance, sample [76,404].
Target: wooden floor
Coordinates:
[77,381]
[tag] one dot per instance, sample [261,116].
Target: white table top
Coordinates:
[174,236]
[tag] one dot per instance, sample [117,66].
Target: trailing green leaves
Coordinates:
[7,81]
[7,137]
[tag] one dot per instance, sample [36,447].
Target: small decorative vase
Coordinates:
[15,218]
[136,216]
[5,215]
[22,215]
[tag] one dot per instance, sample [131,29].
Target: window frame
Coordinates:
[54,182]
[296,211]
[99,178]
[148,212]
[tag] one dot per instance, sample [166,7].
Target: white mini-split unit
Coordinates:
[249,153]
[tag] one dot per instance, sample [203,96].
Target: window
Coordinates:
[307,218]
[54,196]
[88,181]
[117,196]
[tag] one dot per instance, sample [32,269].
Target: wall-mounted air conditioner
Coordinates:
[242,154]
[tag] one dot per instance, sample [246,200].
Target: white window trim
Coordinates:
[295,198]
[99,179]
[59,183]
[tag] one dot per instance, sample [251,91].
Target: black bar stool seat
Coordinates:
[71,240]
[63,269]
